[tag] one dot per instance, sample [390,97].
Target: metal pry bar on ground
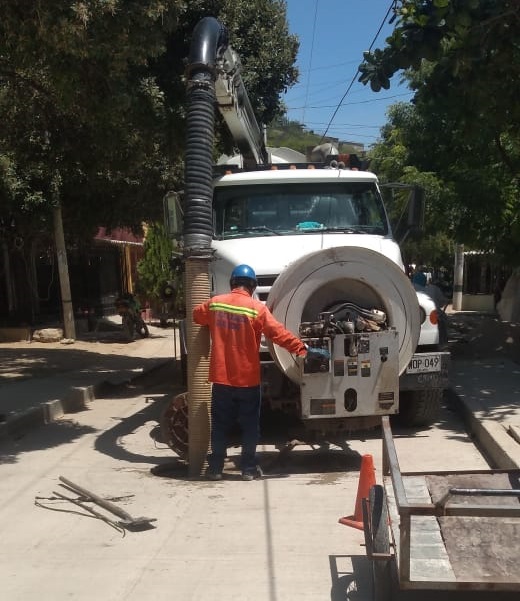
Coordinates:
[127,521]
[93,512]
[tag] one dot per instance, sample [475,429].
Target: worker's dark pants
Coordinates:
[230,404]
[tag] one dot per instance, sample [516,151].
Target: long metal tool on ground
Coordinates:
[127,521]
[93,512]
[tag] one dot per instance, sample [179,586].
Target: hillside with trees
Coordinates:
[292,134]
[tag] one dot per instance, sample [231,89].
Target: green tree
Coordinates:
[92,99]
[457,55]
[81,115]
[155,268]
[92,104]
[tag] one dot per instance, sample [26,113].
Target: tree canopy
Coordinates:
[92,101]
[458,56]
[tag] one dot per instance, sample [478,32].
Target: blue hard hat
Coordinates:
[244,272]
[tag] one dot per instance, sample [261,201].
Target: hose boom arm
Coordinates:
[235,107]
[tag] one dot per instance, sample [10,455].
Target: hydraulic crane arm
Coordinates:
[235,107]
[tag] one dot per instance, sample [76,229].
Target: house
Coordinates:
[98,273]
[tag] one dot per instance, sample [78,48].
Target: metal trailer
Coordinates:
[456,531]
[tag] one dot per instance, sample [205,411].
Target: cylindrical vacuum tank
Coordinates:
[322,279]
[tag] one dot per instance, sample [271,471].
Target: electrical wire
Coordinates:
[311,57]
[392,4]
[379,99]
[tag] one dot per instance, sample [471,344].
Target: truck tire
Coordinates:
[174,425]
[420,407]
[381,569]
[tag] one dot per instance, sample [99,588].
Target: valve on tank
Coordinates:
[318,335]
[318,355]
[325,326]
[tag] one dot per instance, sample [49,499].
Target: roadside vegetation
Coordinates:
[459,137]
[92,104]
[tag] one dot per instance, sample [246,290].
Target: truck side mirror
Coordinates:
[173,214]
[416,204]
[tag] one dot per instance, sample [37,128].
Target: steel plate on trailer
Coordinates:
[480,549]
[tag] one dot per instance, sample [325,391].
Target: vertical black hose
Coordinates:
[209,39]
[198,214]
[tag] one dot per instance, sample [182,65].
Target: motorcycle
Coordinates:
[128,307]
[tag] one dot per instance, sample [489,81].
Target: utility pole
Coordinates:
[69,328]
[8,281]
[458,277]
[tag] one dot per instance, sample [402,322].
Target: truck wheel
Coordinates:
[174,424]
[381,572]
[420,407]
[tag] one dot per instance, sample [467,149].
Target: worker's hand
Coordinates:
[317,353]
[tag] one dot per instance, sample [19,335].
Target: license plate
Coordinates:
[424,363]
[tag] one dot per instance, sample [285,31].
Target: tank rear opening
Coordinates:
[336,293]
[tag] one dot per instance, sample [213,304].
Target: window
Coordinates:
[274,209]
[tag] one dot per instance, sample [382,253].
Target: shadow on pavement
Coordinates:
[358,586]
[351,585]
[108,442]
[40,362]
[53,435]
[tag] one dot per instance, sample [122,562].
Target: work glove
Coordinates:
[317,353]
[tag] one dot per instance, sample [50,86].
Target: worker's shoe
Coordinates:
[252,475]
[214,476]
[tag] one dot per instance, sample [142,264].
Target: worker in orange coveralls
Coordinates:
[236,322]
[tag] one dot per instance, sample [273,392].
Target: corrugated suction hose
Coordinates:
[198,214]
[199,401]
[198,231]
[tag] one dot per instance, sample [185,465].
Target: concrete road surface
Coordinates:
[275,539]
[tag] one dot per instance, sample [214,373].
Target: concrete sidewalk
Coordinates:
[488,392]
[39,382]
[485,382]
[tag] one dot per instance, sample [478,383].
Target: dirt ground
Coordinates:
[479,335]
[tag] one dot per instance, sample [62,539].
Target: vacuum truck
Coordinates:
[316,232]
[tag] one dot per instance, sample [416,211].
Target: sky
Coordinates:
[333,35]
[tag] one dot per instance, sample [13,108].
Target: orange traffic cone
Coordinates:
[367,478]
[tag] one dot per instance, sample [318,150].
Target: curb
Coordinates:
[75,400]
[496,443]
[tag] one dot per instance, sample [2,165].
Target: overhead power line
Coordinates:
[392,3]
[311,56]
[379,99]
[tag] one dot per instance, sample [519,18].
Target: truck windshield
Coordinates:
[299,208]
